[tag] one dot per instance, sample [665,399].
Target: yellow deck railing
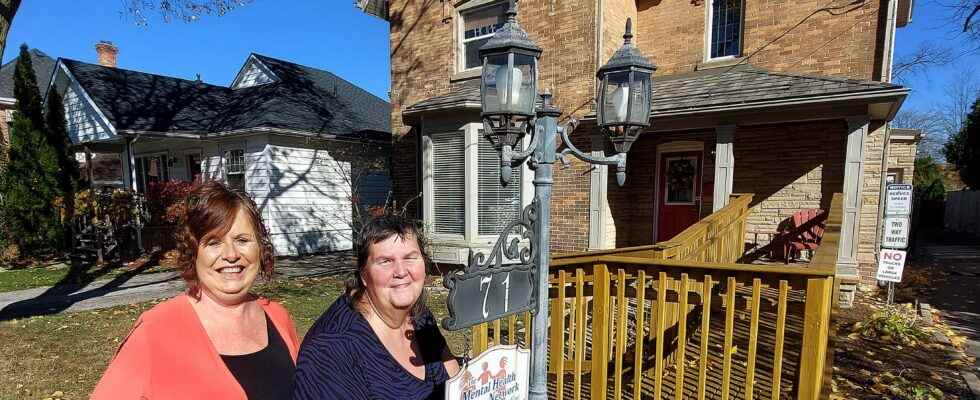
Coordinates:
[682,319]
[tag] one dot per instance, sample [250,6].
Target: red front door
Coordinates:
[678,194]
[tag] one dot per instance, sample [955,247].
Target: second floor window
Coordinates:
[477,26]
[725,17]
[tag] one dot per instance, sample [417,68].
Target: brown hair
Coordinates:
[379,229]
[211,208]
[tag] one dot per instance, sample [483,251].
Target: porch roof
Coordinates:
[712,90]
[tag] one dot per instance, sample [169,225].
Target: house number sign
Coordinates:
[489,295]
[496,285]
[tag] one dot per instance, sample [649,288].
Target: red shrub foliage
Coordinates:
[165,201]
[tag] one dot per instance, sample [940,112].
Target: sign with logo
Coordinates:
[898,200]
[896,234]
[500,373]
[890,265]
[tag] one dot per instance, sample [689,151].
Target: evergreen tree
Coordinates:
[58,136]
[963,149]
[29,184]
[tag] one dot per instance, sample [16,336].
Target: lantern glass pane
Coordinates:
[640,101]
[524,84]
[615,98]
[494,67]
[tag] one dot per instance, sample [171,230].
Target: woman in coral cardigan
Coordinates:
[217,341]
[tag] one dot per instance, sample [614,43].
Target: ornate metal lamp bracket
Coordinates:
[619,159]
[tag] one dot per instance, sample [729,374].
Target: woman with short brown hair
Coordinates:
[217,340]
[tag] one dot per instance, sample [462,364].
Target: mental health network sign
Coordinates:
[500,373]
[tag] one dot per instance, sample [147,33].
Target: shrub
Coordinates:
[898,323]
[165,201]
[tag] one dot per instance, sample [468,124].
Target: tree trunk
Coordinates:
[8,8]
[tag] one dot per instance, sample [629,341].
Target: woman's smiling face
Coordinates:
[395,272]
[227,265]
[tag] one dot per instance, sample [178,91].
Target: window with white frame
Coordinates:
[464,182]
[234,161]
[476,26]
[724,29]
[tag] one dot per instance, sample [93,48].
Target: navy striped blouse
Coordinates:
[342,358]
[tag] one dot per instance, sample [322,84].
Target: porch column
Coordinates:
[129,165]
[599,215]
[857,129]
[724,165]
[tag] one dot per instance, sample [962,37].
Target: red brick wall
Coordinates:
[840,41]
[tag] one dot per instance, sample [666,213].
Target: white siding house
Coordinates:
[305,154]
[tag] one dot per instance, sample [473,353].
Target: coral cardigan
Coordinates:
[168,355]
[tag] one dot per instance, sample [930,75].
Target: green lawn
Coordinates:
[29,278]
[65,354]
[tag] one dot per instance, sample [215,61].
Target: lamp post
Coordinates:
[509,111]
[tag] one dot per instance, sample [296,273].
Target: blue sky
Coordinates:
[326,34]
[930,25]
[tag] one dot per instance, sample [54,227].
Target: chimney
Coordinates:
[107,53]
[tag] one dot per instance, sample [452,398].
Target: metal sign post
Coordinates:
[895,236]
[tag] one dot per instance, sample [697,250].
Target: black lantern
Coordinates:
[624,93]
[509,85]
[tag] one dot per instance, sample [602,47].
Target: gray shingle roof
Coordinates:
[697,91]
[43,66]
[302,99]
[746,84]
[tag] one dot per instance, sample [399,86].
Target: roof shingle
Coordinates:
[302,99]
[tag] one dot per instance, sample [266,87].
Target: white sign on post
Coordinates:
[896,235]
[500,373]
[890,265]
[898,200]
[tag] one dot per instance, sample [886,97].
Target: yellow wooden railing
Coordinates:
[682,319]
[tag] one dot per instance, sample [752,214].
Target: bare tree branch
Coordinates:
[184,10]
[928,54]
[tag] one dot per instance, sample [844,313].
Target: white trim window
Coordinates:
[463,199]
[234,162]
[724,33]
[476,26]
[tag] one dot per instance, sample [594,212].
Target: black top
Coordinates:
[342,358]
[268,373]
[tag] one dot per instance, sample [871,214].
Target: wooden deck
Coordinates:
[683,319]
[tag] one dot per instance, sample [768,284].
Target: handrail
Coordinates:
[630,320]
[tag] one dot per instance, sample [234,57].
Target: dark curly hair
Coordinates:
[211,208]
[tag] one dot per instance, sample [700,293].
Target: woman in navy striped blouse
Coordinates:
[378,340]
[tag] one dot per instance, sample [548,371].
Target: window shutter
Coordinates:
[449,182]
[497,205]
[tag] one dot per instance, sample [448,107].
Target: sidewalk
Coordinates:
[137,289]
[958,297]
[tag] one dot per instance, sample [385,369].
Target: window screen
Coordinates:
[726,28]
[449,186]
[498,205]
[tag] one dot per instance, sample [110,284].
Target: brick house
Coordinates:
[789,100]
[305,144]
[902,148]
